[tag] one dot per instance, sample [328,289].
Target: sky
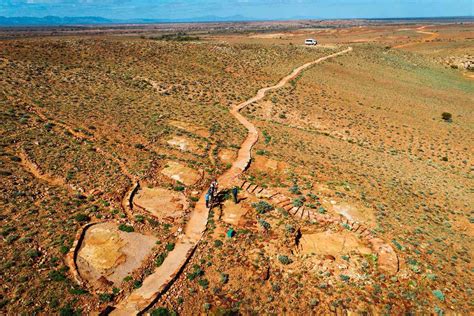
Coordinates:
[258,9]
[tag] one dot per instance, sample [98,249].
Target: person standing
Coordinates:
[235,191]
[214,187]
[208,199]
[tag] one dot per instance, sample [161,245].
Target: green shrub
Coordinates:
[197,272]
[179,188]
[439,295]
[139,218]
[299,201]
[264,224]
[160,259]
[295,189]
[344,277]
[446,116]
[224,278]
[217,243]
[204,283]
[284,259]
[126,228]
[56,276]
[161,311]
[81,217]
[262,207]
[170,246]
[105,297]
[33,253]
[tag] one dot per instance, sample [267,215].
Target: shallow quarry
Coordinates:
[161,203]
[106,255]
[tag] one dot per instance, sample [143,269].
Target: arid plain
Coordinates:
[354,169]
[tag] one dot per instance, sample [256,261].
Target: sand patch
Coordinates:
[161,203]
[195,129]
[227,155]
[233,213]
[186,144]
[331,243]
[107,255]
[181,173]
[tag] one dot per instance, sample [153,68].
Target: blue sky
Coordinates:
[260,9]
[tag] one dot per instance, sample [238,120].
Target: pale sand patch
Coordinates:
[112,254]
[161,203]
[181,173]
[355,213]
[186,144]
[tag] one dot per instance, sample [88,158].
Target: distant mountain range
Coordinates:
[86,20]
[95,20]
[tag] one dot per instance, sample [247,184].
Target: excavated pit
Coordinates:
[161,203]
[107,255]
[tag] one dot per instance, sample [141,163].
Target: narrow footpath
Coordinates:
[158,282]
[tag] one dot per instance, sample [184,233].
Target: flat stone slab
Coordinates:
[233,213]
[107,255]
[181,173]
[161,203]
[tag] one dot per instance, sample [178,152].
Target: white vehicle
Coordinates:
[310,41]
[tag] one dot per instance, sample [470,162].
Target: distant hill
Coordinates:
[90,20]
[95,20]
[52,20]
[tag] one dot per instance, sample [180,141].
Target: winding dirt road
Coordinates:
[156,283]
[432,36]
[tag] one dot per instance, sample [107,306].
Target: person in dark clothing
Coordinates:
[234,194]
[208,199]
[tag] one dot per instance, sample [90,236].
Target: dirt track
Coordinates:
[156,283]
[431,37]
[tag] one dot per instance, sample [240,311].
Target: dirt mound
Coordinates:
[107,255]
[181,173]
[161,203]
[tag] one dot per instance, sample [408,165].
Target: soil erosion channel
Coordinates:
[154,285]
